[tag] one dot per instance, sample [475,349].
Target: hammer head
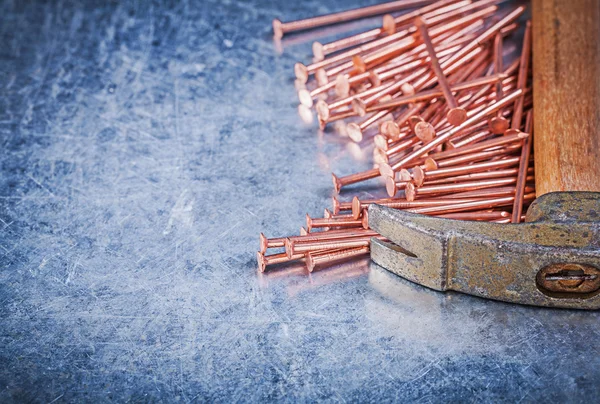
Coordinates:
[551,260]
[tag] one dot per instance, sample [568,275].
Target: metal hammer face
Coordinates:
[551,260]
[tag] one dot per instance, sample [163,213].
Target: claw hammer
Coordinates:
[553,259]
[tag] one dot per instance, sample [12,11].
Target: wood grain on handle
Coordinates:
[566,95]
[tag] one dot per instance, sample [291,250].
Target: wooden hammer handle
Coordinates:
[566,95]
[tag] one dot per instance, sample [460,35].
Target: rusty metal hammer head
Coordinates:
[551,260]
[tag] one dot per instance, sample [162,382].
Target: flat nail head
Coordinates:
[335,205]
[456,116]
[390,186]
[379,156]
[374,79]
[410,192]
[365,220]
[418,176]
[356,208]
[380,140]
[289,248]
[263,243]
[386,170]
[337,186]
[354,132]
[499,125]
[430,164]
[322,110]
[425,131]
[305,98]
[317,48]
[391,129]
[277,29]
[310,262]
[301,72]
[308,223]
[260,258]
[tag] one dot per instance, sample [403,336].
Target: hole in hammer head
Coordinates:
[399,249]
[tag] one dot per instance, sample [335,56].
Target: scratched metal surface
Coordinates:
[144,146]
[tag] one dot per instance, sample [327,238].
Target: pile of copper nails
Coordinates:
[450,124]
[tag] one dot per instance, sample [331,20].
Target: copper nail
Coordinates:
[498,124]
[428,95]
[522,78]
[440,139]
[473,157]
[487,144]
[476,216]
[466,206]
[389,129]
[318,259]
[334,117]
[359,206]
[266,260]
[342,61]
[300,248]
[330,222]
[470,139]
[320,51]
[495,192]
[431,11]
[339,182]
[456,115]
[486,35]
[471,168]
[344,234]
[484,175]
[523,170]
[281,28]
[266,243]
[412,192]
[355,131]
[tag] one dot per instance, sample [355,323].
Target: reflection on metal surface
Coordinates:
[306,114]
[296,278]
